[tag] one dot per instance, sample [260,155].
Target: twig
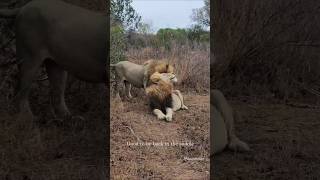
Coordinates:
[133,133]
[310,90]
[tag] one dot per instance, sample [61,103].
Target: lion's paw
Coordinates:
[238,145]
[184,107]
[169,118]
[161,116]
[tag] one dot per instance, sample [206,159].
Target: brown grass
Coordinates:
[266,47]
[191,64]
[150,162]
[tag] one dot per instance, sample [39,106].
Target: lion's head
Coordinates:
[153,66]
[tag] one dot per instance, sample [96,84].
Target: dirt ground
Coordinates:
[49,148]
[132,121]
[284,140]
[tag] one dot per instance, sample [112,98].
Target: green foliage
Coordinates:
[197,34]
[118,44]
[202,15]
[168,35]
[123,13]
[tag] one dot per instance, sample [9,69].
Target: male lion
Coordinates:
[151,66]
[162,97]
[222,133]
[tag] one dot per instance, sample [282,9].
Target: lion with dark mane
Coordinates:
[163,98]
[160,98]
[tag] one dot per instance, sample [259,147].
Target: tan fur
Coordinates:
[55,40]
[178,101]
[152,66]
[137,75]
[159,88]
[222,133]
[158,66]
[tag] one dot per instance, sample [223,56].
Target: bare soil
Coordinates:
[132,121]
[284,140]
[49,148]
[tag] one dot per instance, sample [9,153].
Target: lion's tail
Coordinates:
[9,13]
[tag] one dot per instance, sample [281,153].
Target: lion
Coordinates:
[137,75]
[222,133]
[162,97]
[63,37]
[152,66]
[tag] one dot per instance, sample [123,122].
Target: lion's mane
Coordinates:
[159,93]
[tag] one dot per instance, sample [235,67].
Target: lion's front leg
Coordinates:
[145,82]
[169,114]
[159,114]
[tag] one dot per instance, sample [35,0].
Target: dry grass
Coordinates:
[266,47]
[191,64]
[162,162]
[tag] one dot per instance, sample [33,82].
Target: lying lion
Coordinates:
[222,133]
[138,75]
[163,99]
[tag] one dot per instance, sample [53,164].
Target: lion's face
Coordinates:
[167,77]
[171,76]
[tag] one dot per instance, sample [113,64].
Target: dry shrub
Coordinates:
[191,64]
[263,47]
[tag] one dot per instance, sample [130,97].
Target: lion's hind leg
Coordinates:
[127,89]
[57,77]
[235,143]
[183,106]
[28,71]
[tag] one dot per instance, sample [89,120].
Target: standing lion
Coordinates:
[151,66]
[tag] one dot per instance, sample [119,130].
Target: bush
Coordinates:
[118,44]
[266,47]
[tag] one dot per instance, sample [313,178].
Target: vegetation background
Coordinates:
[266,60]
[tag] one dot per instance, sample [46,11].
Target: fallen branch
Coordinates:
[133,133]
